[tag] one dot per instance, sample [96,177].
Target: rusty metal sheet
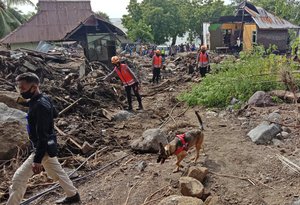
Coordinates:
[266,20]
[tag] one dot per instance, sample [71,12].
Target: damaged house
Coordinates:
[68,20]
[252,25]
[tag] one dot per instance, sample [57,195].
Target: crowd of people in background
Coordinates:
[149,50]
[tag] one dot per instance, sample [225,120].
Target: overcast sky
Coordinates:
[114,8]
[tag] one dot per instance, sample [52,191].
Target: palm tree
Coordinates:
[10,18]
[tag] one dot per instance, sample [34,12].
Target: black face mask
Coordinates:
[28,94]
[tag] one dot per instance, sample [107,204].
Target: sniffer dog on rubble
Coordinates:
[181,144]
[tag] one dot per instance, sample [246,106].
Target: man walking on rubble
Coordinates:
[156,66]
[44,144]
[203,61]
[128,79]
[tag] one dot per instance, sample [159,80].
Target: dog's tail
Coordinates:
[200,120]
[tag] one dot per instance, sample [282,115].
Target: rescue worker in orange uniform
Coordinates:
[203,61]
[157,65]
[128,79]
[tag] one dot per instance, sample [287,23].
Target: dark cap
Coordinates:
[28,77]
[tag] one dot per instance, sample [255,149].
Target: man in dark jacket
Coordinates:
[43,141]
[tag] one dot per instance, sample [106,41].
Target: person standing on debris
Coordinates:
[128,79]
[203,61]
[44,143]
[157,65]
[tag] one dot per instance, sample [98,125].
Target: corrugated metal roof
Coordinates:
[266,20]
[54,20]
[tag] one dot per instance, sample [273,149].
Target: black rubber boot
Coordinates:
[129,108]
[140,107]
[69,200]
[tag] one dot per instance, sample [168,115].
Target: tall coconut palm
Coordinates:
[10,18]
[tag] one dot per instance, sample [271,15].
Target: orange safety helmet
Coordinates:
[157,51]
[115,59]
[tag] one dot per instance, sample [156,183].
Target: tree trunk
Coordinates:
[174,40]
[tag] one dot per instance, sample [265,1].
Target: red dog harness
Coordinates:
[183,144]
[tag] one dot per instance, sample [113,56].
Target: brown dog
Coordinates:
[181,144]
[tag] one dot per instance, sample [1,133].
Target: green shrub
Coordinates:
[240,79]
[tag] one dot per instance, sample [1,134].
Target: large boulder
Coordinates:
[149,142]
[264,133]
[10,99]
[13,131]
[180,200]
[11,114]
[261,99]
[198,173]
[191,187]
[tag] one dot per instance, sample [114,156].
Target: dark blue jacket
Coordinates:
[41,127]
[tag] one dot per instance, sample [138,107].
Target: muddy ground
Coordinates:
[241,172]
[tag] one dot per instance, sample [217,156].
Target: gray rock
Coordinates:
[13,131]
[141,166]
[191,187]
[122,115]
[275,117]
[264,133]
[234,101]
[13,136]
[286,129]
[296,202]
[260,99]
[285,134]
[10,114]
[149,142]
[180,200]
[277,142]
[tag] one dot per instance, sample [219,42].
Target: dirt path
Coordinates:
[227,152]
